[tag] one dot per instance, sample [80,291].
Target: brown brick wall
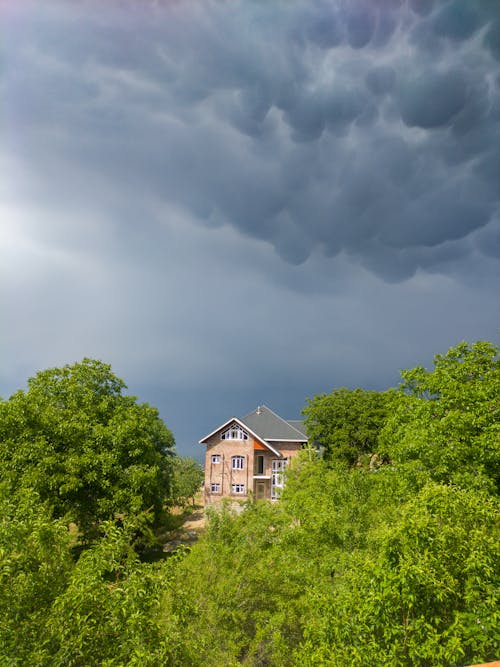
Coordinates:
[223,474]
[289,449]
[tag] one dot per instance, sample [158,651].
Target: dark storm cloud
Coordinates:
[363,127]
[247,202]
[433,99]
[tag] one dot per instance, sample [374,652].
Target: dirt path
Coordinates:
[188,532]
[196,521]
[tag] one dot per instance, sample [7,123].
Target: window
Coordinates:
[215,458]
[237,462]
[234,432]
[214,488]
[238,488]
[277,481]
[259,465]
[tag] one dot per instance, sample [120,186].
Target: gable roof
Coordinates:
[235,420]
[266,426]
[270,426]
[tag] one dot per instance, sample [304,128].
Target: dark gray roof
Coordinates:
[299,425]
[270,426]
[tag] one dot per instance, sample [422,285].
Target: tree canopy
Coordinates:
[347,422]
[187,478]
[446,421]
[87,449]
[397,564]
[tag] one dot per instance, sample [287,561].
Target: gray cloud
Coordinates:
[298,196]
[433,99]
[380,79]
[208,106]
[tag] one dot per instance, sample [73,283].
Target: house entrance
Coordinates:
[260,490]
[278,466]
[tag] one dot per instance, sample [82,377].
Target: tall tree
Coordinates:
[446,421]
[86,448]
[187,479]
[347,422]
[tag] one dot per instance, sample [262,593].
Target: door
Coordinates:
[260,490]
[278,466]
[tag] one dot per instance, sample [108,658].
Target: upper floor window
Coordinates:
[215,458]
[259,465]
[234,432]
[237,462]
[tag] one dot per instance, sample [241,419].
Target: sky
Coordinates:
[246,202]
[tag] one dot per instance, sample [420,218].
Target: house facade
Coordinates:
[247,456]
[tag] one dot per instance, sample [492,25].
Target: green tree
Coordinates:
[87,449]
[347,422]
[108,612]
[424,590]
[35,566]
[100,610]
[396,565]
[446,422]
[241,604]
[187,479]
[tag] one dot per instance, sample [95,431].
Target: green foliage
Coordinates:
[447,421]
[347,422]
[108,613]
[235,599]
[84,447]
[35,562]
[102,609]
[187,478]
[424,591]
[392,565]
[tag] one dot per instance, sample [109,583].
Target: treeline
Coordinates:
[385,551]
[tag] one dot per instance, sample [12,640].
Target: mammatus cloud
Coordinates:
[368,128]
[246,202]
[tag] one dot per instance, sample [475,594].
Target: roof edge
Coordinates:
[243,425]
[304,439]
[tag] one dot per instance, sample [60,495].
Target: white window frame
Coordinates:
[215,487]
[234,432]
[238,489]
[278,467]
[216,459]
[237,462]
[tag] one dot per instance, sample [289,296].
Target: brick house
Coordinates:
[248,455]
